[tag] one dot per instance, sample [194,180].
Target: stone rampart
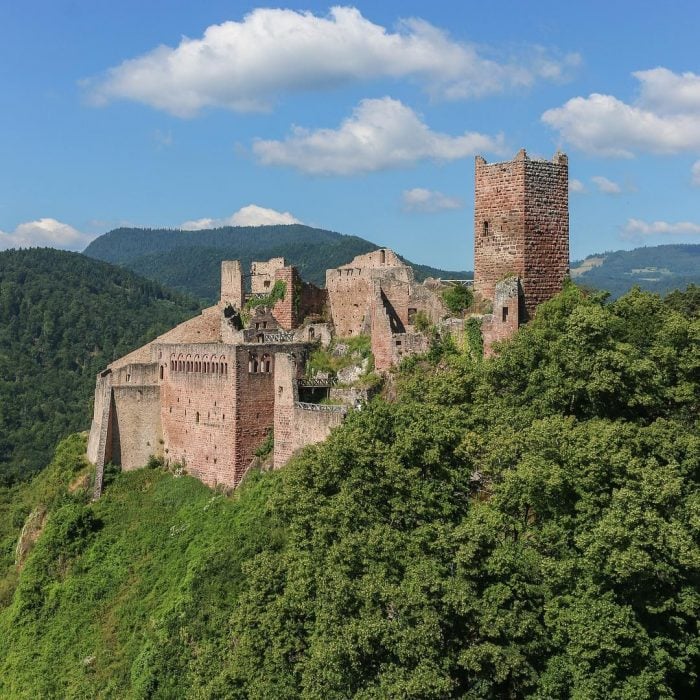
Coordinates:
[295,424]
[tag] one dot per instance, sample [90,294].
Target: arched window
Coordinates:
[252,364]
[266,364]
[196,417]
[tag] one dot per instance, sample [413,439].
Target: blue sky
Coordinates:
[363,119]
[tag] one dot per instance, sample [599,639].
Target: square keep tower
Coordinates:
[521,226]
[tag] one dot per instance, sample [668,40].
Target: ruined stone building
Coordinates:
[521,238]
[208,393]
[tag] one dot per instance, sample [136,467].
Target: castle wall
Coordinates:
[284,310]
[198,411]
[349,294]
[263,275]
[314,301]
[232,284]
[136,427]
[499,222]
[504,321]
[295,425]
[547,224]
[98,427]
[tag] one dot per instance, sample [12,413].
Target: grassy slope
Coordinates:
[153,551]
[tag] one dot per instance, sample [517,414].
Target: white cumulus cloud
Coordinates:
[576,185]
[665,118]
[606,186]
[380,134]
[252,215]
[245,65]
[695,173]
[421,199]
[45,232]
[636,228]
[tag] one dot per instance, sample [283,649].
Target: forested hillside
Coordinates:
[657,269]
[522,527]
[63,317]
[190,261]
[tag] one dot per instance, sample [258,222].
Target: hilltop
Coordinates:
[63,318]
[189,261]
[659,269]
[524,526]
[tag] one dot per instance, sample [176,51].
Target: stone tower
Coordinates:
[521,227]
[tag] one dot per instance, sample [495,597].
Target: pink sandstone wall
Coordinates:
[504,321]
[521,226]
[295,426]
[198,412]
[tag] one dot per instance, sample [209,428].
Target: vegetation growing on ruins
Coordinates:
[279,289]
[457,298]
[63,318]
[524,526]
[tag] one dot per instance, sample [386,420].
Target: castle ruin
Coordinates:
[208,393]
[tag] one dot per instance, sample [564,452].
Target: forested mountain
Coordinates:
[63,317]
[657,269]
[190,261]
[520,527]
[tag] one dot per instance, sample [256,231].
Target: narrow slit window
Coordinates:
[504,314]
[486,228]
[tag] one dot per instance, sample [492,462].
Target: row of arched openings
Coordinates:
[203,365]
[257,364]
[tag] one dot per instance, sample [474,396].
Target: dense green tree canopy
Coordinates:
[523,526]
[63,318]
[190,261]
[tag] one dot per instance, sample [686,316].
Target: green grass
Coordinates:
[122,597]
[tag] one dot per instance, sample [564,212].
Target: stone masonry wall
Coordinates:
[232,284]
[349,292]
[198,413]
[136,428]
[504,321]
[521,226]
[499,222]
[262,275]
[295,426]
[547,230]
[284,310]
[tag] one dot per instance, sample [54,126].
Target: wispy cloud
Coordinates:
[45,232]
[665,119]
[638,229]
[422,200]
[695,173]
[576,186]
[244,66]
[605,185]
[251,215]
[380,134]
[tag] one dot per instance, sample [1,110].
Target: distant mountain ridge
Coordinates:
[189,261]
[659,269]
